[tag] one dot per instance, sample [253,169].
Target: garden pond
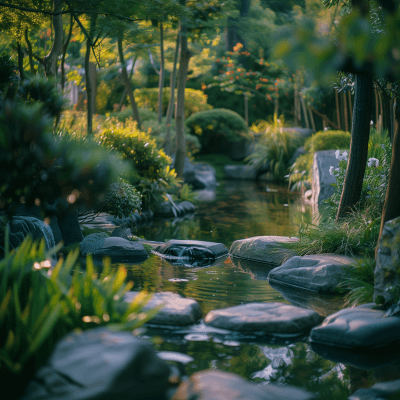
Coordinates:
[237,210]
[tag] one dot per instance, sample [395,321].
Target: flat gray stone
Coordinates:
[278,318]
[388,262]
[217,249]
[119,247]
[92,242]
[322,180]
[266,249]
[177,310]
[380,391]
[241,172]
[99,364]
[319,273]
[361,326]
[219,385]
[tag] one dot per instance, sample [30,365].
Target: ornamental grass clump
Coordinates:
[40,304]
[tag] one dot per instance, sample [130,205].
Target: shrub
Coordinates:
[301,170]
[38,306]
[144,113]
[8,72]
[139,149]
[195,100]
[122,199]
[274,149]
[215,127]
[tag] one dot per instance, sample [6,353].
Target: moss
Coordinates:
[87,231]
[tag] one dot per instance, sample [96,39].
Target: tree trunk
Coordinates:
[337,109]
[391,208]
[246,109]
[359,145]
[350,105]
[128,86]
[121,102]
[162,74]
[345,113]
[376,108]
[20,62]
[65,46]
[171,104]
[303,105]
[30,52]
[50,60]
[180,106]
[89,89]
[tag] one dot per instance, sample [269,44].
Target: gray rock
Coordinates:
[241,172]
[121,232]
[219,385]
[199,175]
[258,271]
[323,304]
[177,310]
[217,249]
[117,247]
[266,249]
[320,273]
[362,326]
[92,242]
[380,391]
[99,364]
[387,269]
[322,180]
[278,318]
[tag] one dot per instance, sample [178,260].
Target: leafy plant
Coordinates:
[39,305]
[8,72]
[274,149]
[185,193]
[122,199]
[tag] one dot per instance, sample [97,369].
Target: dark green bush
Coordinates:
[195,100]
[216,127]
[8,72]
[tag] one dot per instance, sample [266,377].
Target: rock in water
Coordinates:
[99,364]
[387,271]
[93,242]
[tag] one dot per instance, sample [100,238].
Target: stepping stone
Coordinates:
[181,248]
[219,385]
[320,273]
[266,249]
[177,310]
[356,327]
[100,364]
[92,242]
[278,318]
[122,250]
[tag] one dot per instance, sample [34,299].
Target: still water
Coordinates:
[238,210]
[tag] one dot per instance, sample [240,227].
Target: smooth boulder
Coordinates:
[380,391]
[387,271]
[275,318]
[176,310]
[266,249]
[92,242]
[99,364]
[219,385]
[123,249]
[358,327]
[320,273]
[176,247]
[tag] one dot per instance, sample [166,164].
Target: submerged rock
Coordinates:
[320,273]
[277,318]
[99,364]
[380,391]
[219,385]
[265,249]
[387,271]
[361,326]
[177,310]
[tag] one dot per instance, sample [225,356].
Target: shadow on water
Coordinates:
[237,210]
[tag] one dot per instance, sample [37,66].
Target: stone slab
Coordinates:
[278,318]
[92,242]
[119,247]
[320,273]
[219,385]
[266,249]
[361,326]
[177,310]
[99,364]
[218,249]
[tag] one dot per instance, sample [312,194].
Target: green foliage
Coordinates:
[359,282]
[42,90]
[215,127]
[275,148]
[185,193]
[140,150]
[87,231]
[121,199]
[195,100]
[39,305]
[8,72]
[301,170]
[145,114]
[375,181]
